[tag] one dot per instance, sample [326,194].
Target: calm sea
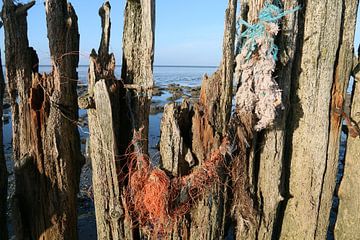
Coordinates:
[163,75]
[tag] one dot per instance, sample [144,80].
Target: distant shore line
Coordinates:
[174,66]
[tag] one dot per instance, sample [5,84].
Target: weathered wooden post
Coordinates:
[316,101]
[137,70]
[349,192]
[3,170]
[138,58]
[45,137]
[190,135]
[115,112]
[258,192]
[292,173]
[104,113]
[270,149]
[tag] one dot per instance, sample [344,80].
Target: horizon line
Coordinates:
[160,65]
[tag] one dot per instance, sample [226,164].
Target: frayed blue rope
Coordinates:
[271,13]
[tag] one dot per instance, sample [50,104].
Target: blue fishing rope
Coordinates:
[271,13]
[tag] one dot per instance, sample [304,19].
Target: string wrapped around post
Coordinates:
[255,64]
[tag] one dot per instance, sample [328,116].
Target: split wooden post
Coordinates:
[192,140]
[106,115]
[46,141]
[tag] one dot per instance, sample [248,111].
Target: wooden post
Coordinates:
[138,57]
[312,165]
[343,69]
[244,208]
[106,115]
[109,102]
[137,68]
[265,180]
[349,191]
[46,141]
[209,126]
[290,173]
[3,170]
[272,143]
[187,140]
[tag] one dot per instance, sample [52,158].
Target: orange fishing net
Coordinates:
[156,202]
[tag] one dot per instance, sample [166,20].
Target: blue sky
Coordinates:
[188,32]
[357,33]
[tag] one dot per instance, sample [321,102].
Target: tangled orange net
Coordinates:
[156,201]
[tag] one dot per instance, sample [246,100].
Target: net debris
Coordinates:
[255,65]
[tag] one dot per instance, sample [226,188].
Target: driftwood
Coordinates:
[45,137]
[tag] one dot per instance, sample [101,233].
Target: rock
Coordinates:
[174,87]
[175,96]
[86,101]
[156,108]
[157,91]
[195,92]
[6,99]
[87,152]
